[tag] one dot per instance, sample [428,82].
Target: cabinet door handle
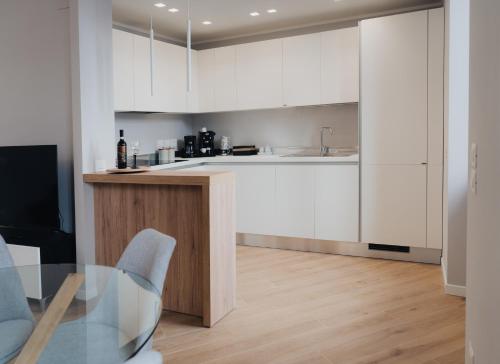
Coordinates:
[424,163]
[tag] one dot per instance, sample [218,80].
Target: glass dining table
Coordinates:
[78,314]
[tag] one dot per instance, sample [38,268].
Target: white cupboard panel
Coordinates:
[394,89]
[337,203]
[340,66]
[302,70]
[225,79]
[255,196]
[260,74]
[435,207]
[147,98]
[123,70]
[295,201]
[393,203]
[171,76]
[206,80]
[255,199]
[193,101]
[436,86]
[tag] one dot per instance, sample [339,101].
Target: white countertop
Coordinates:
[353,159]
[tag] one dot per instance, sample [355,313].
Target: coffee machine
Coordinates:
[190,146]
[207,145]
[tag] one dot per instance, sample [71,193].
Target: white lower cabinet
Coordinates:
[337,203]
[394,205]
[300,201]
[295,201]
[255,198]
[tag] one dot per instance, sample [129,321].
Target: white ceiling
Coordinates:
[231,19]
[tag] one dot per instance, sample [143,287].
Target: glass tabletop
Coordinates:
[84,313]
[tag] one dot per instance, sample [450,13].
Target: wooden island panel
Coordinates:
[200,216]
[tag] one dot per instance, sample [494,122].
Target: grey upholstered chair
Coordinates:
[16,319]
[148,256]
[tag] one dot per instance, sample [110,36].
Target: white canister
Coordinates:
[163,156]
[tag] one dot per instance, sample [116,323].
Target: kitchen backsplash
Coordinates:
[298,126]
[290,127]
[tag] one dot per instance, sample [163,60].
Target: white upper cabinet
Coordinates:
[123,71]
[302,70]
[225,94]
[193,101]
[312,69]
[146,90]
[340,66]
[259,74]
[206,80]
[171,76]
[394,89]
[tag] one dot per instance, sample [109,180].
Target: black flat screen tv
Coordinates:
[28,187]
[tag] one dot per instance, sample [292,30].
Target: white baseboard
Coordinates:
[451,289]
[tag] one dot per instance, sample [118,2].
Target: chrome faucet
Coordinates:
[324,148]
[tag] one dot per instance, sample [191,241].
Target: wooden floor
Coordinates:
[296,307]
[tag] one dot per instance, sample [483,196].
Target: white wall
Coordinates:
[148,128]
[35,88]
[483,240]
[92,83]
[456,140]
[298,126]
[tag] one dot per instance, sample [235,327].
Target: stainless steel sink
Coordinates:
[318,154]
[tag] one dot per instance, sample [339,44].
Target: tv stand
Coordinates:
[55,246]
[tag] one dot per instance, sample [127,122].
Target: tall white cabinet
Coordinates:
[398,126]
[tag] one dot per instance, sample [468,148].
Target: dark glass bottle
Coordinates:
[121,159]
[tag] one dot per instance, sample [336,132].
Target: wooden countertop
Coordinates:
[162,177]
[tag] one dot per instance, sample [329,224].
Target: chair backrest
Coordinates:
[148,255]
[5,257]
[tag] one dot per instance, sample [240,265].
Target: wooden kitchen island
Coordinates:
[197,209]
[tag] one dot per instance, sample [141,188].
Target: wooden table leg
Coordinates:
[49,322]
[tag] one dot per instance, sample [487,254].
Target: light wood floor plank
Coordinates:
[296,307]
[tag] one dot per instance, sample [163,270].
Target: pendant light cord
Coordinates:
[189,53]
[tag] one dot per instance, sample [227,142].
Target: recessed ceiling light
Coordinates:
[206,22]
[272,11]
[255,13]
[173,10]
[160,5]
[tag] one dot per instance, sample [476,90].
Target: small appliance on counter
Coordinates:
[189,146]
[207,145]
[225,146]
[245,150]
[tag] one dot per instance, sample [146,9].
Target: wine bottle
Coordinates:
[121,159]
